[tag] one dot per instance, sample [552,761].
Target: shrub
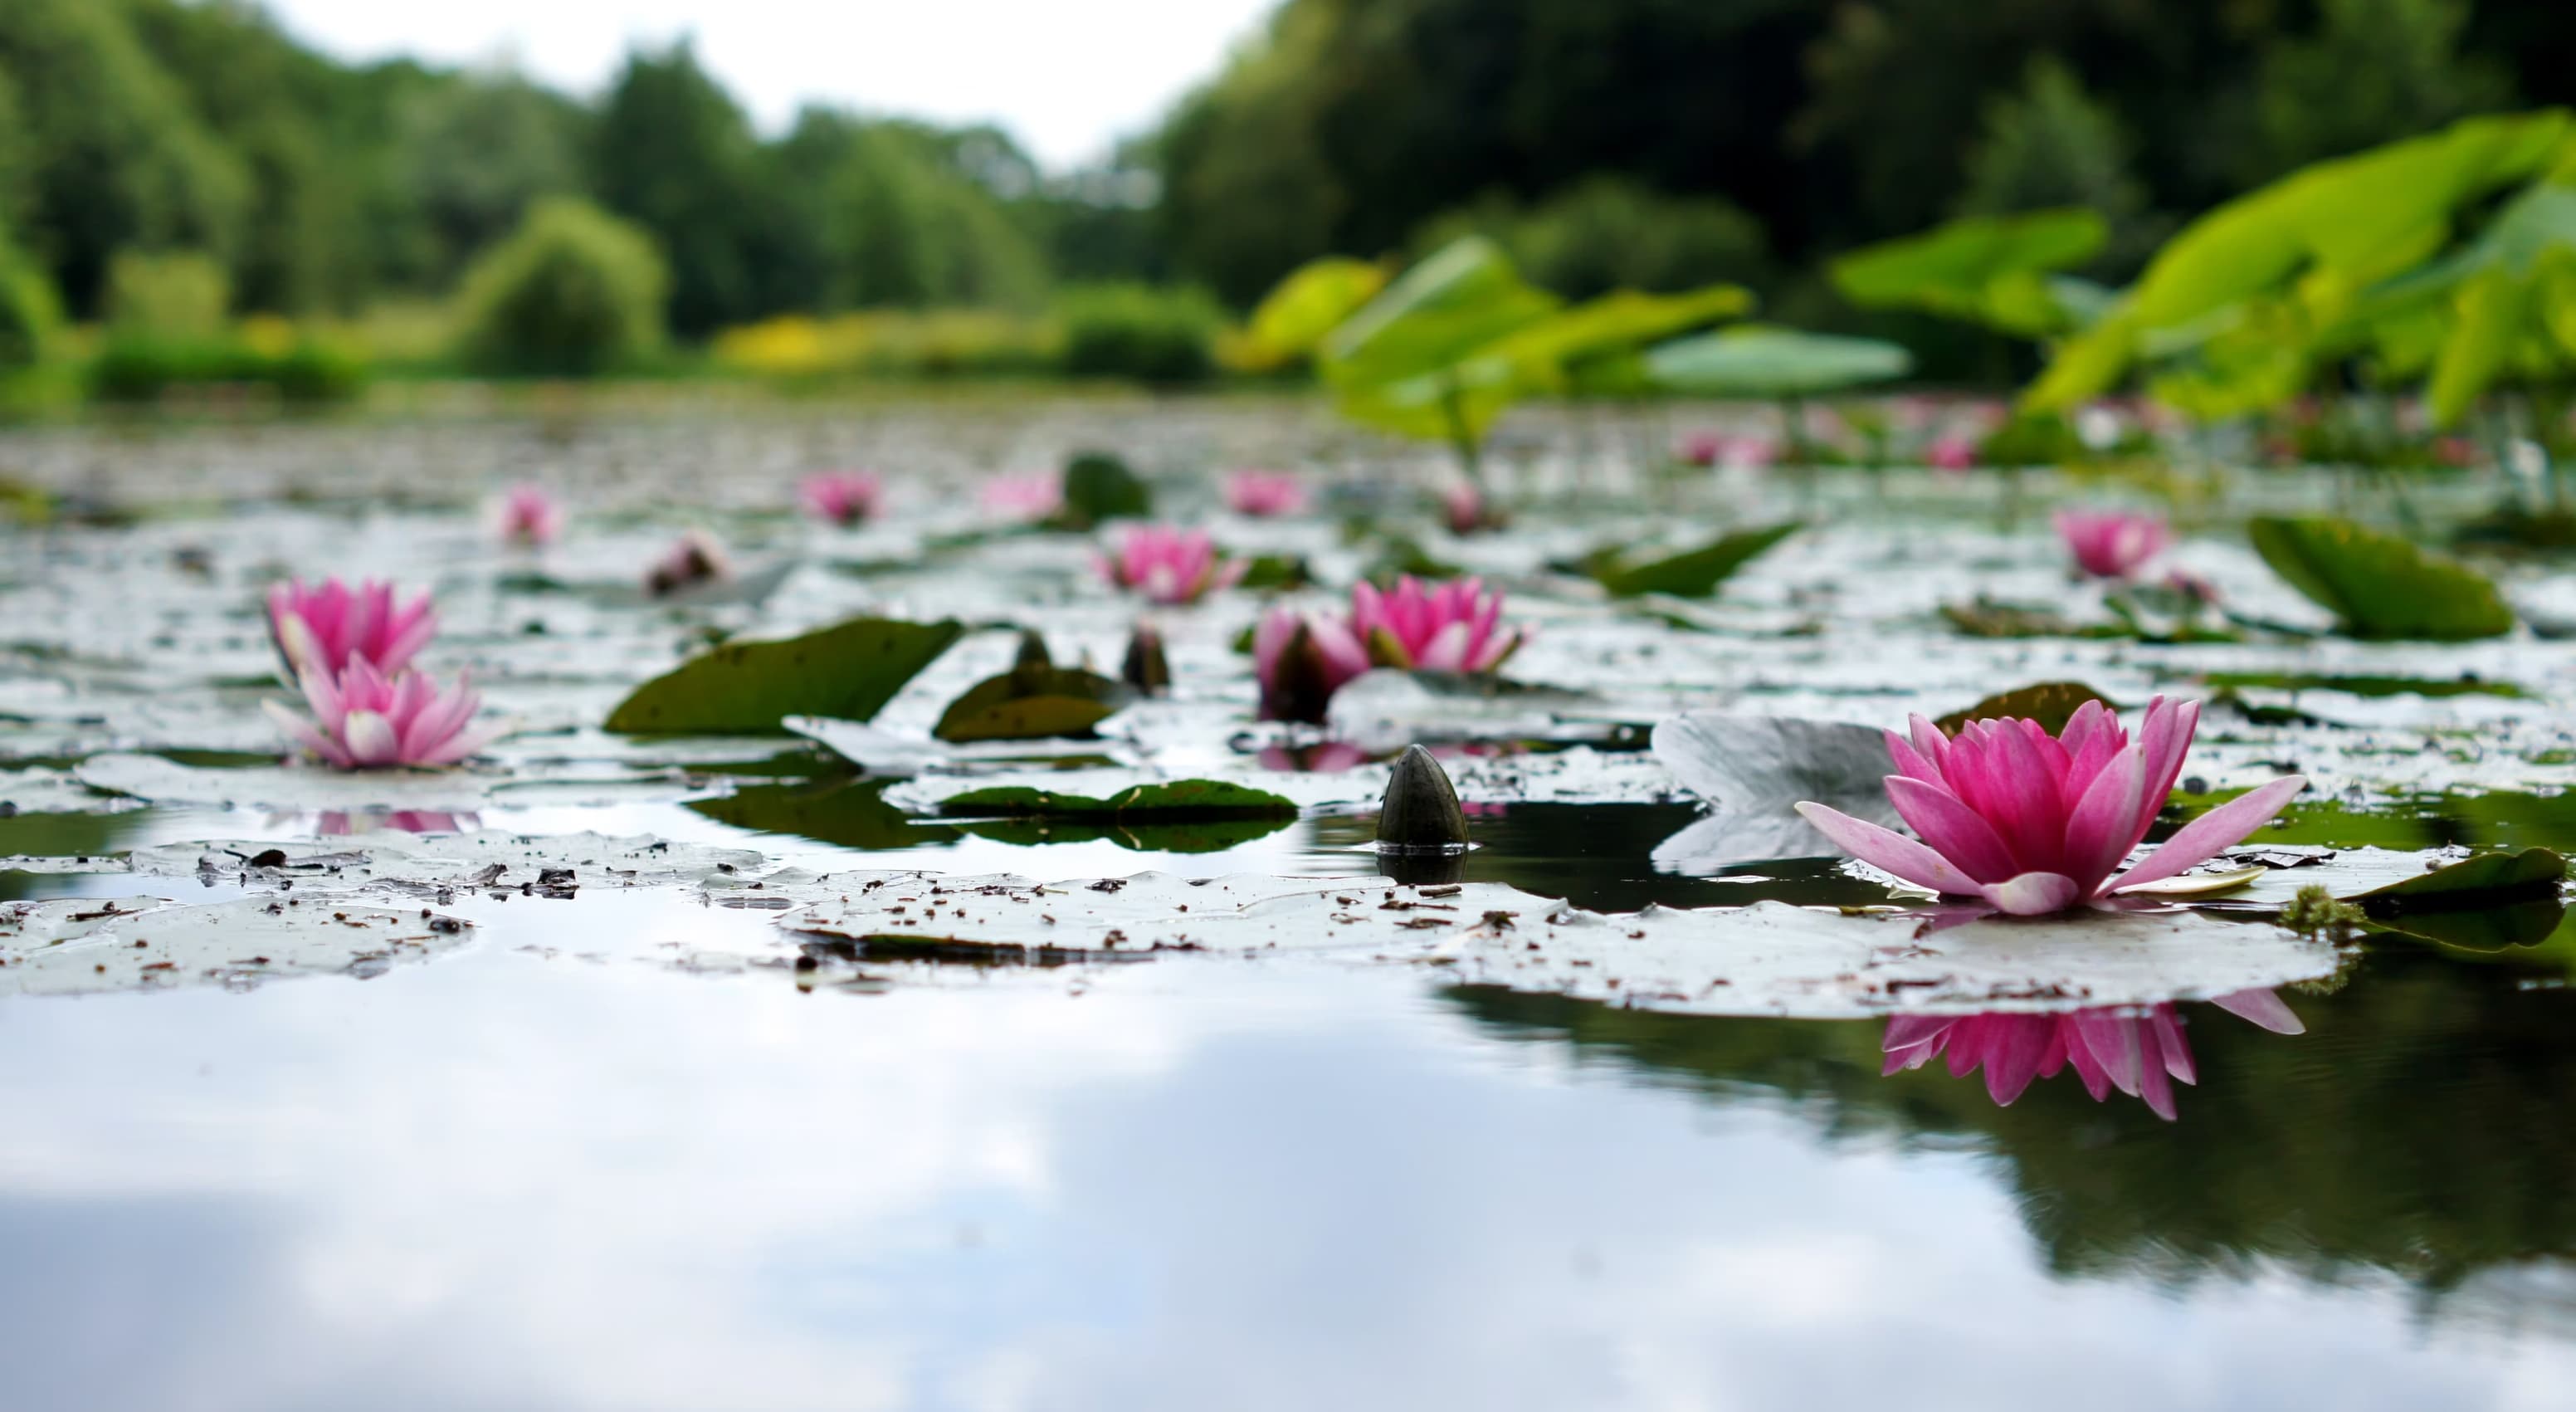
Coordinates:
[1139,332]
[30,315]
[180,294]
[574,292]
[1609,232]
[138,367]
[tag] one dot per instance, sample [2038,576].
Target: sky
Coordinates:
[1067,77]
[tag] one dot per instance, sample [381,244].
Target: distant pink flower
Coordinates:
[1751,452]
[2139,1052]
[365,720]
[1448,627]
[1265,494]
[1023,499]
[1700,448]
[2199,591]
[526,515]
[334,823]
[1301,659]
[1170,566]
[2111,544]
[2034,823]
[693,559]
[1331,757]
[843,498]
[1952,451]
[1464,508]
[332,625]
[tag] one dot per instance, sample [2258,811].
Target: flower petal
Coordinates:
[2033,894]
[1889,851]
[2212,833]
[1955,831]
[2261,1007]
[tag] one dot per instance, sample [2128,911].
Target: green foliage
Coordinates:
[900,227]
[1034,700]
[1694,573]
[2380,586]
[1752,361]
[2053,144]
[845,672]
[1611,232]
[575,292]
[1296,317]
[179,295]
[2372,72]
[2051,703]
[470,158]
[31,315]
[1169,803]
[1138,332]
[1992,270]
[675,155]
[142,366]
[1099,487]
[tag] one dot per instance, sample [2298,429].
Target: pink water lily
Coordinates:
[2111,544]
[331,625]
[1265,494]
[694,559]
[1170,565]
[1453,626]
[1023,499]
[2140,1052]
[2033,823]
[1700,448]
[1465,510]
[1301,659]
[843,498]
[1951,451]
[364,719]
[527,516]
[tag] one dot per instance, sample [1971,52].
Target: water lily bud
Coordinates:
[1421,808]
[1146,668]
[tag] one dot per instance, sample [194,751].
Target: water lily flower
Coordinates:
[2033,823]
[843,498]
[330,625]
[334,823]
[1265,494]
[1700,448]
[2111,544]
[1169,565]
[1952,451]
[526,515]
[1301,659]
[1464,508]
[693,559]
[1447,627]
[1023,499]
[2141,1053]
[364,719]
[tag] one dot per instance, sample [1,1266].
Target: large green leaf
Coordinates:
[1174,802]
[1694,573]
[1099,487]
[2378,585]
[1992,270]
[1045,703]
[1294,318]
[846,672]
[2051,703]
[1438,314]
[1755,361]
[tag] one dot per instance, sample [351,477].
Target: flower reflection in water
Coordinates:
[336,823]
[2140,1052]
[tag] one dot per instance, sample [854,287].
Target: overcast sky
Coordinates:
[1068,77]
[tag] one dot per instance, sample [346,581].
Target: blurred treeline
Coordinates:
[163,163]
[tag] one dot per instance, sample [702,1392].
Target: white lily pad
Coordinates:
[311,787]
[489,858]
[70,946]
[43,791]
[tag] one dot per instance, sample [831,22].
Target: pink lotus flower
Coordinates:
[843,498]
[1701,448]
[1265,494]
[1952,451]
[365,720]
[334,823]
[1466,510]
[2111,544]
[693,559]
[1303,658]
[2140,1053]
[1750,453]
[1023,499]
[331,625]
[1170,566]
[1448,627]
[2037,824]
[525,515]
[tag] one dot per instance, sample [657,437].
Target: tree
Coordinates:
[2374,71]
[2052,144]
[471,158]
[675,155]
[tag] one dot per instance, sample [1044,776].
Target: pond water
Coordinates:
[649,1145]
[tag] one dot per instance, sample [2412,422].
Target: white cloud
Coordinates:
[1067,79]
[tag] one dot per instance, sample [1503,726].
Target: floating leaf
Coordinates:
[1303,309]
[1173,802]
[84,946]
[848,671]
[2482,881]
[1754,361]
[2378,585]
[1693,573]
[2051,703]
[1991,270]
[1099,487]
[1034,700]
[845,814]
[2429,687]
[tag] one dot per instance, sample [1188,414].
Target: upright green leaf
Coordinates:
[1434,317]
[846,672]
[1296,317]
[1694,573]
[2378,585]
[1755,361]
[1990,270]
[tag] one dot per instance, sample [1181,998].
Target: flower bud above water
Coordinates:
[1421,810]
[1146,668]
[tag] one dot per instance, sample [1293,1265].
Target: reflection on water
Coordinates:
[2140,1052]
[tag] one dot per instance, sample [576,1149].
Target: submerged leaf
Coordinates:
[2051,703]
[848,672]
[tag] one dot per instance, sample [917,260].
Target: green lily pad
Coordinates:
[1099,487]
[1694,573]
[1187,836]
[1033,703]
[2051,703]
[846,814]
[846,672]
[2378,585]
[2483,930]
[2365,685]
[2487,880]
[1175,802]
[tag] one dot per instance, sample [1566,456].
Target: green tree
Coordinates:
[673,153]
[574,292]
[2051,144]
[2373,71]
[472,156]
[1611,232]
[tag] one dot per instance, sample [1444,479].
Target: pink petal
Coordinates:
[2212,833]
[2261,1007]
[1888,850]
[2033,894]
[1954,830]
[1446,651]
[1912,763]
[2097,832]
[2023,1044]
[370,738]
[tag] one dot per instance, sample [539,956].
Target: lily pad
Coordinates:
[1178,801]
[1694,573]
[87,946]
[2430,687]
[2378,585]
[848,671]
[2483,881]
[1033,701]
[1099,487]
[2051,703]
